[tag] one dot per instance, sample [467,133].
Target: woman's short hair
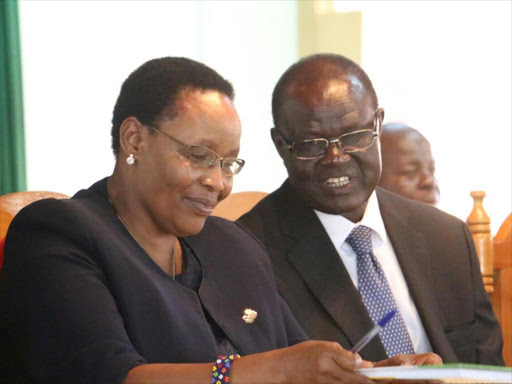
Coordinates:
[150,92]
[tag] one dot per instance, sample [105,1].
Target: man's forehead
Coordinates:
[298,109]
[406,144]
[406,137]
[331,100]
[318,90]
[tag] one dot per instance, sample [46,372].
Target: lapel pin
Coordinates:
[249,315]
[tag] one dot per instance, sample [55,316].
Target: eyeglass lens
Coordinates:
[203,157]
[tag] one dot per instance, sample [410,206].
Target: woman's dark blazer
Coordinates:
[81,302]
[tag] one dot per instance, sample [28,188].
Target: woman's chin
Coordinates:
[190,227]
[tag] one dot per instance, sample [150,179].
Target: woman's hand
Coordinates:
[307,362]
[414,359]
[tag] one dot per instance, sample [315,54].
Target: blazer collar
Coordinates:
[315,259]
[411,250]
[330,282]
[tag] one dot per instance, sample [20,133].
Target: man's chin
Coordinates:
[430,201]
[431,198]
[349,207]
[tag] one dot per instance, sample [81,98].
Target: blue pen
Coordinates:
[373,332]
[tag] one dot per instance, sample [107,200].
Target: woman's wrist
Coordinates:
[221,368]
[259,368]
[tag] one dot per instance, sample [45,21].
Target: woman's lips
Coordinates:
[203,206]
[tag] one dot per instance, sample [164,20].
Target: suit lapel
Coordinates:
[411,251]
[316,260]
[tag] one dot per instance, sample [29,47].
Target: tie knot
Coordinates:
[360,239]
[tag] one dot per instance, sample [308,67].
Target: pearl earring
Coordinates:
[130,160]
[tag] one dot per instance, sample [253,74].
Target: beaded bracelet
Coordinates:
[221,367]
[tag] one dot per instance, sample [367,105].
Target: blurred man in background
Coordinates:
[408,167]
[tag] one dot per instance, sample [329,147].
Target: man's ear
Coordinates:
[278,142]
[130,136]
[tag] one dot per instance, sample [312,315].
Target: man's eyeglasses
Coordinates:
[349,142]
[202,157]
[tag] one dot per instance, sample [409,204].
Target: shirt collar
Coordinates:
[338,228]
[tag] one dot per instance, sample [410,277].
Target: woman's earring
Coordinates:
[130,160]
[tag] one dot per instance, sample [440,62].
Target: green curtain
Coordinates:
[12,136]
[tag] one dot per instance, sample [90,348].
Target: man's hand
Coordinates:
[415,359]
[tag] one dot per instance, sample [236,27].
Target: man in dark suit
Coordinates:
[422,261]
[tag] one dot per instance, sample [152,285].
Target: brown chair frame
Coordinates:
[495,256]
[236,204]
[12,203]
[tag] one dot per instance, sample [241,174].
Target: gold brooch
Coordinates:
[249,315]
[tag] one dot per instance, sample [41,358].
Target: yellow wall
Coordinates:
[321,29]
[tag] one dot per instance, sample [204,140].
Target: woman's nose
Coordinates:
[214,178]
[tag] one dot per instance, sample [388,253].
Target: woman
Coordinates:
[130,281]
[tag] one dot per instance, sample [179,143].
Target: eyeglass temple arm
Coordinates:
[287,143]
[378,121]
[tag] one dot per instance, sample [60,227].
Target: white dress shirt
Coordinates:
[338,228]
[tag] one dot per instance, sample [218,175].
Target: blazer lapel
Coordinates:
[411,251]
[316,260]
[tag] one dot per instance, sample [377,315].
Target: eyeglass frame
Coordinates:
[377,127]
[186,150]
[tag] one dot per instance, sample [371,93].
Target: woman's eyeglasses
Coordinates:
[202,157]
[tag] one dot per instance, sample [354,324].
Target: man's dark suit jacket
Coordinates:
[81,302]
[437,257]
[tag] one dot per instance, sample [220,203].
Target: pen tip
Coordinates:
[386,318]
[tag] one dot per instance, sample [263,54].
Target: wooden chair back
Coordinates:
[236,204]
[502,295]
[12,203]
[495,256]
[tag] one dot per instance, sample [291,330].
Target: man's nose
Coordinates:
[335,154]
[427,178]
